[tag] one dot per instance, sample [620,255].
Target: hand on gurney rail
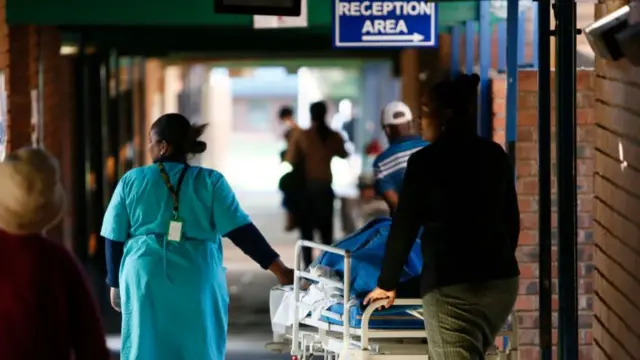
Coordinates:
[380,294]
[284,274]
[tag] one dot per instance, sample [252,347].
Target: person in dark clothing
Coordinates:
[316,147]
[461,190]
[47,310]
[291,183]
[285,115]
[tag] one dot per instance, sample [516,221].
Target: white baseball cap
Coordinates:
[396,113]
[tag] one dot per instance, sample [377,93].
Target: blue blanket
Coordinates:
[367,247]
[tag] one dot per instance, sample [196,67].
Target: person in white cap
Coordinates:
[46,308]
[404,140]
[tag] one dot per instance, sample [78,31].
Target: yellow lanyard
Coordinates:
[175,192]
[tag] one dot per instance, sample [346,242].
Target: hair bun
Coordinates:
[197,147]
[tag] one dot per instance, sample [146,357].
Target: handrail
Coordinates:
[366,315]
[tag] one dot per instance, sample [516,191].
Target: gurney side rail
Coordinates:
[300,274]
[370,334]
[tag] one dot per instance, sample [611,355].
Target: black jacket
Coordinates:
[461,191]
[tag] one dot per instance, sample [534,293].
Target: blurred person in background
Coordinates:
[404,140]
[289,124]
[316,147]
[461,191]
[292,182]
[163,229]
[46,308]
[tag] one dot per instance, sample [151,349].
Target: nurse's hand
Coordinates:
[380,294]
[115,299]
[282,272]
[286,278]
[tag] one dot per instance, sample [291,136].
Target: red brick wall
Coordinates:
[20,80]
[20,47]
[444,50]
[527,186]
[499,108]
[4,37]
[65,107]
[58,114]
[616,323]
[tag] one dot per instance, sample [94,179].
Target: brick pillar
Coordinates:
[495,49]
[409,73]
[22,78]
[138,102]
[20,47]
[4,67]
[57,116]
[616,325]
[499,102]
[444,50]
[527,186]
[54,117]
[4,38]
[462,49]
[154,89]
[67,111]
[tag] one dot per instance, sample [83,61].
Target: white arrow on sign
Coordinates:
[415,37]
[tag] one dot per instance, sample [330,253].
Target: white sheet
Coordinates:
[314,300]
[276,297]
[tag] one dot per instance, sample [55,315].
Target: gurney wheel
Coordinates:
[278,347]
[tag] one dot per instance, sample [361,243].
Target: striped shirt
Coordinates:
[389,166]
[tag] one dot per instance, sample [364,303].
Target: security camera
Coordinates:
[601,35]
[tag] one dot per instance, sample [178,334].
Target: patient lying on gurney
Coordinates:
[367,251]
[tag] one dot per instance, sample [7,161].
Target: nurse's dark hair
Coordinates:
[178,132]
[453,102]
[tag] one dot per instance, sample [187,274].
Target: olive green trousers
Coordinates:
[462,321]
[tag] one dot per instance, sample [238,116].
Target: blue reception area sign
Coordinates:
[384,23]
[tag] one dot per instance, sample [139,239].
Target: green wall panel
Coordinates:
[178,13]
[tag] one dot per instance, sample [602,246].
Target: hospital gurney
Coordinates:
[344,331]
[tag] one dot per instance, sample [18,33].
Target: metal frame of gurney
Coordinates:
[315,337]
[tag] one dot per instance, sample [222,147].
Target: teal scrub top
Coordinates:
[173,294]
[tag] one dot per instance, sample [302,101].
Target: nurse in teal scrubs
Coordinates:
[163,231]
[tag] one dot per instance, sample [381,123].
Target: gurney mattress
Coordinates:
[393,318]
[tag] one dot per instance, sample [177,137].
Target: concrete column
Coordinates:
[217,111]
[409,74]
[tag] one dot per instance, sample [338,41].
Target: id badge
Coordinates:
[175,230]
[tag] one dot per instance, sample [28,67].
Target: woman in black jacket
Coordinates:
[461,191]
